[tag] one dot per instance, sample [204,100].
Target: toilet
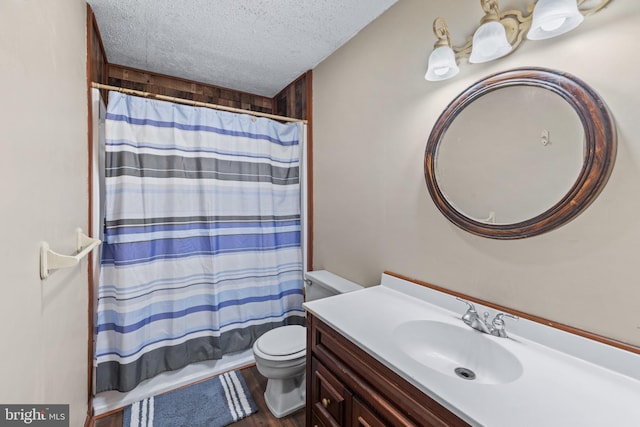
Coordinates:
[280,353]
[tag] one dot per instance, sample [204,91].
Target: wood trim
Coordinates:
[93,51]
[311,340]
[566,328]
[96,29]
[89,37]
[93,35]
[309,225]
[108,414]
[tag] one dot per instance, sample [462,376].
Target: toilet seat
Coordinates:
[283,342]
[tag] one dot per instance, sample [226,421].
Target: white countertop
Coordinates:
[566,380]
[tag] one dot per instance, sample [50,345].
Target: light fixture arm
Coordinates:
[491,11]
[594,9]
[440,29]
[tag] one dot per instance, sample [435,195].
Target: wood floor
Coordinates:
[256,384]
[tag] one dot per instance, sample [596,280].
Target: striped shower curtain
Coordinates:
[202,248]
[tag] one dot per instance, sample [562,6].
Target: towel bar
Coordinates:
[50,260]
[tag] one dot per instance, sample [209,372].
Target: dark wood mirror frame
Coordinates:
[598,159]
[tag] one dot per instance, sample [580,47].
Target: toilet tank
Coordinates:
[323,283]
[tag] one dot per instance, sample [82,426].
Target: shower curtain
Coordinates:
[202,231]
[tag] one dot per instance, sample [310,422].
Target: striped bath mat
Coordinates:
[212,403]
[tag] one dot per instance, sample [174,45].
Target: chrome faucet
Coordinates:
[495,327]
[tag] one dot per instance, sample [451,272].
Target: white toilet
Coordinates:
[280,353]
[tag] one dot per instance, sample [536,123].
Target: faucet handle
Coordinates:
[471,315]
[471,308]
[498,324]
[499,317]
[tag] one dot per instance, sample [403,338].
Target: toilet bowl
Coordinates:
[280,356]
[280,353]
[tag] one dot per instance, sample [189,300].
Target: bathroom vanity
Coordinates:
[388,355]
[348,387]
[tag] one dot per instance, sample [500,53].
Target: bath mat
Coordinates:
[212,403]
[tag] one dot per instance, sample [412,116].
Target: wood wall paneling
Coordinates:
[97,57]
[295,100]
[292,100]
[147,81]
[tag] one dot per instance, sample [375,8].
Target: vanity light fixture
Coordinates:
[442,61]
[554,17]
[500,33]
[490,39]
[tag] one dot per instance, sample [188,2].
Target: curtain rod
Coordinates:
[195,103]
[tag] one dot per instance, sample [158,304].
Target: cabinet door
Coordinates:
[329,397]
[361,416]
[315,420]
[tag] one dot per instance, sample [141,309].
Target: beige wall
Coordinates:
[373,112]
[43,174]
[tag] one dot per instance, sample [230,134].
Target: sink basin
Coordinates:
[458,351]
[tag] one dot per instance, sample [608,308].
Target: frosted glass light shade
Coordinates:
[489,43]
[554,17]
[442,64]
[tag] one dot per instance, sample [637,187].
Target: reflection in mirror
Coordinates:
[510,155]
[520,153]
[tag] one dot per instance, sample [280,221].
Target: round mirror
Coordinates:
[520,153]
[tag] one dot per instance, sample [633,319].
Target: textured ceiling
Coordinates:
[255,46]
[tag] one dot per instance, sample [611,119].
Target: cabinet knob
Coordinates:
[326,402]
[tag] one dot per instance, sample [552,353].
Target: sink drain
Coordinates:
[465,374]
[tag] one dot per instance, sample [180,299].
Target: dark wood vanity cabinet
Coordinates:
[348,387]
